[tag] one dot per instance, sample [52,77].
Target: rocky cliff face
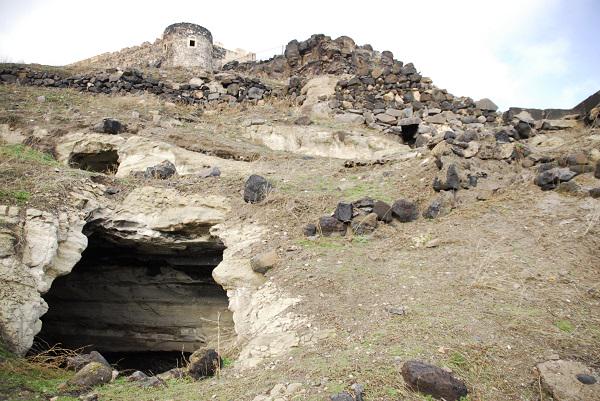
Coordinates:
[35,248]
[146,281]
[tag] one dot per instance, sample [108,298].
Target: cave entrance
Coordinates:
[143,306]
[106,161]
[409,133]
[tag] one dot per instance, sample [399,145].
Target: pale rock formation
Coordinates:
[135,154]
[50,246]
[317,141]
[315,90]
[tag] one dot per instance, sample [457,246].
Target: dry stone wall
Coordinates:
[222,87]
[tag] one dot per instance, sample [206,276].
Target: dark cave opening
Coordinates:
[151,362]
[409,134]
[105,161]
[143,306]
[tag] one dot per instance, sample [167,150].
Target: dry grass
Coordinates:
[512,282]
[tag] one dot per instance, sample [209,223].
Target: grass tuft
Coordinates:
[24,153]
[565,325]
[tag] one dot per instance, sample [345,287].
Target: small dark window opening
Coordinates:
[409,133]
[192,43]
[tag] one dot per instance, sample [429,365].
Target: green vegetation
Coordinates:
[322,242]
[367,189]
[565,325]
[18,196]
[23,380]
[227,362]
[458,360]
[26,154]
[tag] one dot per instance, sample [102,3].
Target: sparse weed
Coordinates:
[227,362]
[27,154]
[18,196]
[322,242]
[565,325]
[458,360]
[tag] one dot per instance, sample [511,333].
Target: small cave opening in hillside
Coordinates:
[143,306]
[105,161]
[409,134]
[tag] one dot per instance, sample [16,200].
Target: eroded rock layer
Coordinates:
[121,298]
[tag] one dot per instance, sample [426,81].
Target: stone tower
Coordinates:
[188,45]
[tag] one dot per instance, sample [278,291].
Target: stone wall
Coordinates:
[173,49]
[222,87]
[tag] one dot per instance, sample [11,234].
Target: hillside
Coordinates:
[319,220]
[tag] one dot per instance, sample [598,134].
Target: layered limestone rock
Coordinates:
[316,141]
[103,153]
[264,323]
[145,282]
[123,300]
[36,247]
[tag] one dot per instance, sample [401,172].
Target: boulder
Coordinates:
[303,120]
[350,118]
[405,210]
[196,82]
[256,189]
[175,373]
[92,374]
[383,211]
[595,193]
[161,171]
[330,225]
[292,54]
[440,206]
[263,262]
[385,118]
[451,181]
[79,361]
[409,121]
[310,230]
[524,129]
[362,225]
[597,170]
[431,380]
[137,376]
[549,179]
[486,105]
[343,212]
[109,126]
[344,396]
[524,116]
[255,93]
[204,362]
[151,382]
[569,380]
[558,124]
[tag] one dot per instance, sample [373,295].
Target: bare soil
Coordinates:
[506,283]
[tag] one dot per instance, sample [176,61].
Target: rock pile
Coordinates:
[223,87]
[362,217]
[556,172]
[93,370]
[395,98]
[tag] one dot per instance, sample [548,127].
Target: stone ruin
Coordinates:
[182,44]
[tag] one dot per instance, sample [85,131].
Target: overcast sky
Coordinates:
[529,53]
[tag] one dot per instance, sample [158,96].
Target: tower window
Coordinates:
[192,43]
